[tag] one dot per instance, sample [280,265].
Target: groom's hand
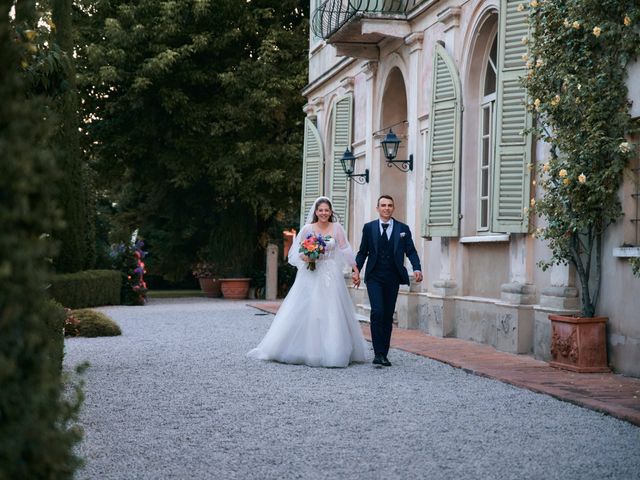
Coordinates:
[417,276]
[355,277]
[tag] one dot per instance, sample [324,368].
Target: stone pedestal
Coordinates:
[407,310]
[555,300]
[514,328]
[445,288]
[439,318]
[516,293]
[271,288]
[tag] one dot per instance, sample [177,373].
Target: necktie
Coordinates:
[384,231]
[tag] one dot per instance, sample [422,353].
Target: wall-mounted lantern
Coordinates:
[390,146]
[348,165]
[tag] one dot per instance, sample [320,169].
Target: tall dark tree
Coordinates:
[194,107]
[73,190]
[35,436]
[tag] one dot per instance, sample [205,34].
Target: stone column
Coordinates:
[520,290]
[439,319]
[408,308]
[370,69]
[561,298]
[271,289]
[515,319]
[414,41]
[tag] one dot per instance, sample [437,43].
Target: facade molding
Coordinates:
[325,77]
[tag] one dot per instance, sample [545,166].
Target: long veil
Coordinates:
[346,254]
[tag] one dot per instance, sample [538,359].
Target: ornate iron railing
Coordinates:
[333,14]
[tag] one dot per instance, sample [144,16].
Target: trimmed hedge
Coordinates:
[95,324]
[90,288]
[54,321]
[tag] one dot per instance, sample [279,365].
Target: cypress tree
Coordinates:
[72,188]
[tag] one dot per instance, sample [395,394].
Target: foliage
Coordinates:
[635,265]
[579,51]
[128,258]
[50,73]
[234,245]
[204,270]
[37,435]
[55,322]
[90,323]
[193,108]
[89,288]
[72,192]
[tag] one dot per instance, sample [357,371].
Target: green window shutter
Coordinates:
[443,171]
[339,185]
[311,168]
[511,176]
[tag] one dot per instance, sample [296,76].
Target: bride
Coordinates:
[316,323]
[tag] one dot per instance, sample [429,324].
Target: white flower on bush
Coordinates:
[625,147]
[582,178]
[597,31]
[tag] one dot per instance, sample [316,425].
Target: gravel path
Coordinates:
[175,398]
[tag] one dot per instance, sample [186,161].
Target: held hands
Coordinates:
[417,276]
[355,277]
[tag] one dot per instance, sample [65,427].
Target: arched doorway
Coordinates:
[394,114]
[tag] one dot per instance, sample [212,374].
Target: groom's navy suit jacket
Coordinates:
[402,245]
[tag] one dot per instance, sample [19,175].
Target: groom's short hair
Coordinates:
[388,197]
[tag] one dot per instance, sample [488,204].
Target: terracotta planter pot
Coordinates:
[210,287]
[235,288]
[579,344]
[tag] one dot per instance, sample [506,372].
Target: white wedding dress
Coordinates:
[316,323]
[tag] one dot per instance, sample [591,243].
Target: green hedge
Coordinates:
[38,405]
[55,331]
[95,324]
[90,288]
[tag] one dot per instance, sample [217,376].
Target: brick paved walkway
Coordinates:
[609,393]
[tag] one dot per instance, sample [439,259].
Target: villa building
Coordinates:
[443,75]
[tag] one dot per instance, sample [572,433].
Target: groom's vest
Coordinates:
[385,268]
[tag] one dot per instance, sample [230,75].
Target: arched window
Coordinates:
[486,123]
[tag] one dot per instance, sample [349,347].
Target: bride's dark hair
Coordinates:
[332,218]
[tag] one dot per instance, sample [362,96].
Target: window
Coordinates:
[487,120]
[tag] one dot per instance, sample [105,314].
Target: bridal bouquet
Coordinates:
[313,246]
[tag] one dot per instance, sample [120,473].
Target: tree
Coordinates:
[192,108]
[579,53]
[36,437]
[73,190]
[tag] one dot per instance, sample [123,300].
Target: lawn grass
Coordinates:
[174,293]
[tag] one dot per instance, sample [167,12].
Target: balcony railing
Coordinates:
[333,14]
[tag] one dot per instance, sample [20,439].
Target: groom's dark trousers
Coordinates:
[384,274]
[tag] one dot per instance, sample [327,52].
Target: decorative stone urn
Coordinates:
[579,344]
[210,287]
[235,288]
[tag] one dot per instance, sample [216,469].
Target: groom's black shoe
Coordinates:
[378,360]
[385,361]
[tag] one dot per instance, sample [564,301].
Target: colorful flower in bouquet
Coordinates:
[312,247]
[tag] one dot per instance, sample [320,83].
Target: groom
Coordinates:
[385,242]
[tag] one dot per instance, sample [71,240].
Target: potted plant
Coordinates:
[578,53]
[235,282]
[205,272]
